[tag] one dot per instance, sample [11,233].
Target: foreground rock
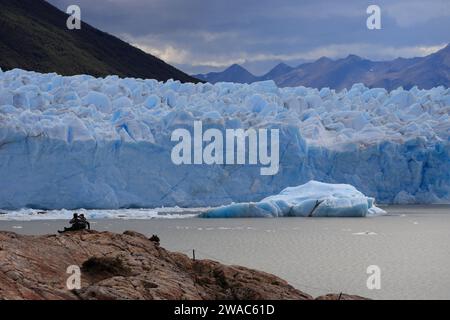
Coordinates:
[124,266]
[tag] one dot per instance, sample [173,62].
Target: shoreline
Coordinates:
[28,214]
[127,266]
[331,254]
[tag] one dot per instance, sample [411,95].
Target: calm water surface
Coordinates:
[411,246]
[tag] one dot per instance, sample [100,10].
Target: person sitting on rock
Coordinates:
[84,221]
[76,224]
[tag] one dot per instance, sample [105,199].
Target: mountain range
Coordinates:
[425,72]
[34,36]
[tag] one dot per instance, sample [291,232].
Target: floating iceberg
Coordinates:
[313,199]
[104,143]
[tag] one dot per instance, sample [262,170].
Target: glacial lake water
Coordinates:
[410,245]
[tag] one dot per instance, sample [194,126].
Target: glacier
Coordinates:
[312,199]
[104,143]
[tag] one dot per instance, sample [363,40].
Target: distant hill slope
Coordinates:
[277,71]
[34,36]
[234,73]
[425,72]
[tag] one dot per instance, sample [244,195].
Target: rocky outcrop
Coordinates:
[341,296]
[123,266]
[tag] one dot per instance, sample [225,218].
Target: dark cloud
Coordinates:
[200,35]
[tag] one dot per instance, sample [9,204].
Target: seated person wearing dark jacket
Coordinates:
[84,221]
[78,222]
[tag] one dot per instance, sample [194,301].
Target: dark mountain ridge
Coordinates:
[34,36]
[424,72]
[234,73]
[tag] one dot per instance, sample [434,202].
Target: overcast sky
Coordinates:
[206,35]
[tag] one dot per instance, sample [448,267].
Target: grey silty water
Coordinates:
[410,245]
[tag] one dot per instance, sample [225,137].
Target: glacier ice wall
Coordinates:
[80,141]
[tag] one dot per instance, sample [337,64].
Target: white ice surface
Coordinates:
[125,214]
[85,142]
[312,199]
